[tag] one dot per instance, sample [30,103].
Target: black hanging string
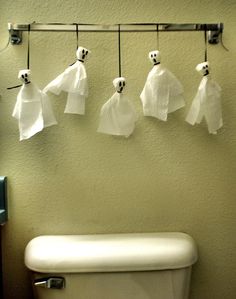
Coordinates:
[157,27]
[77,35]
[119,51]
[221,41]
[28,58]
[28,50]
[77,39]
[205,38]
[14,86]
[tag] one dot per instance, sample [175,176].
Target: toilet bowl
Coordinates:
[111,266]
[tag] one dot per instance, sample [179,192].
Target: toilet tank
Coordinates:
[112,266]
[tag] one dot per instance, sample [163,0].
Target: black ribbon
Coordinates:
[28,60]
[77,41]
[119,50]
[17,86]
[157,26]
[77,35]
[28,50]
[205,39]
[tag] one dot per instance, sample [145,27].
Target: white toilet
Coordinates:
[112,266]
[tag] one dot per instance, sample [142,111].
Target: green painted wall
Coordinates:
[166,177]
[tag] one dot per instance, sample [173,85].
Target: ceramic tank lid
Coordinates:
[110,253]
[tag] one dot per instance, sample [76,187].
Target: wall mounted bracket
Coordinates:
[15,37]
[214,30]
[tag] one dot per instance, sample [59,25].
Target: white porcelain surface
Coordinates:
[166,284]
[110,253]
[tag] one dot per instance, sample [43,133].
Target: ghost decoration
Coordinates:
[73,81]
[117,115]
[207,102]
[33,109]
[162,92]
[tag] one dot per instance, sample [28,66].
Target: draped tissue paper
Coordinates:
[207,102]
[33,109]
[162,92]
[117,115]
[73,81]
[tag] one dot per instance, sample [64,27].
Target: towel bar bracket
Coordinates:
[15,37]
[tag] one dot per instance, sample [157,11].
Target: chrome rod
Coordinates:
[16,29]
[136,27]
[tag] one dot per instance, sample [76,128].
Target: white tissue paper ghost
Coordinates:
[117,115]
[162,93]
[33,109]
[207,102]
[73,81]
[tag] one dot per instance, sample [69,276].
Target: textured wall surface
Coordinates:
[166,177]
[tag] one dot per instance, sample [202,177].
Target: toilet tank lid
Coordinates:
[110,252]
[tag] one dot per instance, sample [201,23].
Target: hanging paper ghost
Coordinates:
[207,102]
[32,109]
[117,115]
[162,93]
[73,81]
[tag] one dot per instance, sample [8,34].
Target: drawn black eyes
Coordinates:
[84,52]
[120,84]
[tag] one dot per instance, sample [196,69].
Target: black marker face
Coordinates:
[81,54]
[25,78]
[205,70]
[120,86]
[154,57]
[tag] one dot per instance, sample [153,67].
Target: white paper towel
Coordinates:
[33,109]
[162,93]
[117,115]
[207,102]
[74,81]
